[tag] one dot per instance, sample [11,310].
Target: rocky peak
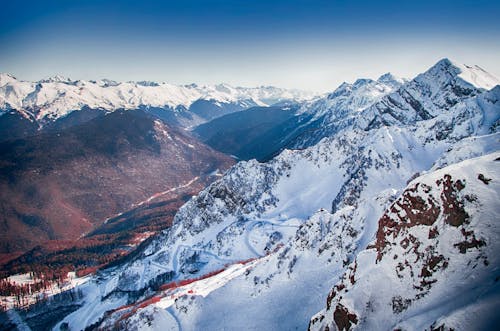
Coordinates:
[55,79]
[391,80]
[362,81]
[446,71]
[344,89]
[428,95]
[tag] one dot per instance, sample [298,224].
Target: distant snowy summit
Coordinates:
[56,97]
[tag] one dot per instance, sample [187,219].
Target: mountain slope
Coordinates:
[262,246]
[339,109]
[433,263]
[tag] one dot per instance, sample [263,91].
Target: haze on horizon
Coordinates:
[311,45]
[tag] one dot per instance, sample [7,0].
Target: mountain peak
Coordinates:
[224,88]
[343,89]
[106,82]
[362,81]
[6,78]
[444,66]
[56,79]
[445,62]
[386,77]
[474,75]
[4,74]
[390,78]
[147,83]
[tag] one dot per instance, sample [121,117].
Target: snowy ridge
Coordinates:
[426,96]
[354,97]
[469,148]
[477,76]
[394,101]
[56,97]
[337,110]
[308,212]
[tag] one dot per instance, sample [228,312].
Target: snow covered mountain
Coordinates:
[262,132]
[381,101]
[262,247]
[327,116]
[428,95]
[48,100]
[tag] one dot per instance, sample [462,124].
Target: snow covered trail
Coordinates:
[154,196]
[205,286]
[179,326]
[159,194]
[253,228]
[180,248]
[160,266]
[161,304]
[250,227]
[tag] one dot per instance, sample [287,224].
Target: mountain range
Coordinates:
[372,207]
[59,102]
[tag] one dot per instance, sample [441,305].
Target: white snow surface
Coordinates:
[477,76]
[353,97]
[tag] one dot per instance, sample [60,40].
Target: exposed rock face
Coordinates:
[435,247]
[412,210]
[343,318]
[61,185]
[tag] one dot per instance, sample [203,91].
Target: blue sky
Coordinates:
[311,44]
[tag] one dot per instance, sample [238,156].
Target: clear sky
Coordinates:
[307,44]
